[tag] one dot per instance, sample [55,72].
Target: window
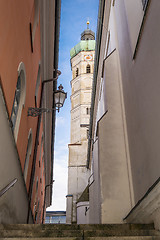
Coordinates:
[88,69]
[36,212]
[19,99]
[77,72]
[37,85]
[16,103]
[28,154]
[87,133]
[34,21]
[88,111]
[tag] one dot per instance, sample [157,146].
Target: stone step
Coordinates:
[77,227]
[125,238]
[90,238]
[59,238]
[41,233]
[120,233]
[30,233]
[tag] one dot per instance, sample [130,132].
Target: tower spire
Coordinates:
[87,34]
[88,24]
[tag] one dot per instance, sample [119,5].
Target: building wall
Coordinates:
[83,213]
[95,189]
[140,86]
[14,203]
[21,46]
[115,189]
[16,48]
[112,180]
[129,128]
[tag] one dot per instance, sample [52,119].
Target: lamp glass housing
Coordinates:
[59,97]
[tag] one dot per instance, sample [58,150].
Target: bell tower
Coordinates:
[82,65]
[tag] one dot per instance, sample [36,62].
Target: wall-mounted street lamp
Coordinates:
[59,98]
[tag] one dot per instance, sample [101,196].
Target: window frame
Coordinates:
[34,21]
[22,78]
[88,110]
[16,103]
[88,68]
[77,72]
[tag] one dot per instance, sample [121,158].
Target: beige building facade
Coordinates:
[82,65]
[123,150]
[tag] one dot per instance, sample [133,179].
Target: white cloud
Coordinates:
[60,176]
[60,121]
[60,187]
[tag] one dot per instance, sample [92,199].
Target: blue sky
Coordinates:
[74,15]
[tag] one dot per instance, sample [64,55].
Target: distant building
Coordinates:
[29,55]
[53,217]
[82,65]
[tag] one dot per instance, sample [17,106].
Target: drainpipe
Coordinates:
[96,64]
[44,204]
[34,157]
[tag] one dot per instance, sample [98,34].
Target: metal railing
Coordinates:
[5,189]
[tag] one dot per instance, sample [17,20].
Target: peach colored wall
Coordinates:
[15,47]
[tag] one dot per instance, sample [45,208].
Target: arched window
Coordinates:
[16,103]
[34,22]
[19,99]
[88,69]
[36,212]
[28,154]
[77,72]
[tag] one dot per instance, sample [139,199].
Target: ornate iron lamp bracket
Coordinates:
[34,112]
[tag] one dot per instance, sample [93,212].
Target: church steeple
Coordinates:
[88,24]
[87,34]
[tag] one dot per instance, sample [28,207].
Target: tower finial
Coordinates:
[87,24]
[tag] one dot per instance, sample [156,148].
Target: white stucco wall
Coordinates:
[114,181]
[83,213]
[14,203]
[95,189]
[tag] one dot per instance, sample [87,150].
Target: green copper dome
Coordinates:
[83,45]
